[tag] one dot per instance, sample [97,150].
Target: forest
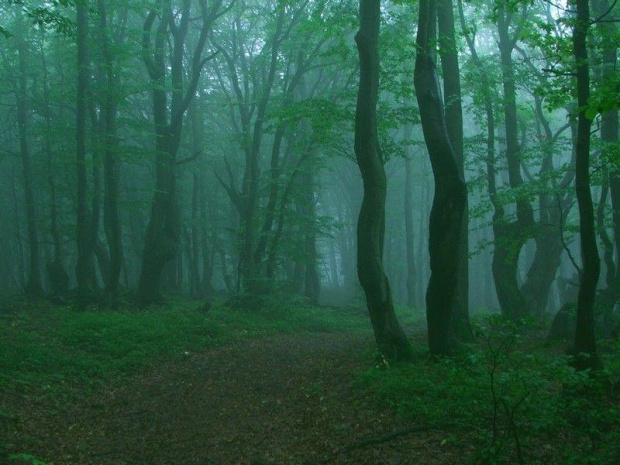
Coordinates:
[311,231]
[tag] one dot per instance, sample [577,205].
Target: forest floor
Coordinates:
[278,399]
[289,384]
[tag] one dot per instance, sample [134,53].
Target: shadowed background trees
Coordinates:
[207,148]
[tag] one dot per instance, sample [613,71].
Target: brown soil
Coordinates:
[287,400]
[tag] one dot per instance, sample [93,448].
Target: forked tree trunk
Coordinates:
[162,241]
[450,200]
[510,236]
[390,337]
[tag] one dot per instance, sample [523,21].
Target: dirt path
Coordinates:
[284,400]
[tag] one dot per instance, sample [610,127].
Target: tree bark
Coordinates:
[409,243]
[162,241]
[450,199]
[585,339]
[390,337]
[454,124]
[84,259]
[510,236]
[609,136]
[111,174]
[57,276]
[33,288]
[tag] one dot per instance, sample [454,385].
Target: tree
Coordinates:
[609,137]
[585,339]
[33,284]
[110,77]
[163,231]
[454,124]
[450,199]
[390,337]
[511,236]
[83,244]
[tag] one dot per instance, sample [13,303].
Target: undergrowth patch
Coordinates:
[52,347]
[510,405]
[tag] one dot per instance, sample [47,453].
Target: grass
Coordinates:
[509,396]
[510,404]
[50,347]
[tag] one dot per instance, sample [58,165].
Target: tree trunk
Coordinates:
[408,204]
[609,136]
[33,287]
[390,337]
[510,237]
[57,275]
[162,241]
[312,281]
[194,241]
[84,259]
[208,253]
[585,339]
[450,199]
[111,218]
[454,124]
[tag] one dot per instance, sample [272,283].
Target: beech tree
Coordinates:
[450,200]
[390,337]
[163,231]
[585,339]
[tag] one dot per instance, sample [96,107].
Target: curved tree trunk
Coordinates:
[510,237]
[450,200]
[454,124]
[585,339]
[390,337]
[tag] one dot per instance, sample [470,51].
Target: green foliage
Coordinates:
[509,403]
[47,16]
[26,458]
[53,348]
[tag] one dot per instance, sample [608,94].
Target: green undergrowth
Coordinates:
[509,404]
[48,347]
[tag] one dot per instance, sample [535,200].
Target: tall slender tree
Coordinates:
[33,284]
[585,338]
[169,107]
[389,335]
[83,226]
[454,124]
[110,78]
[450,199]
